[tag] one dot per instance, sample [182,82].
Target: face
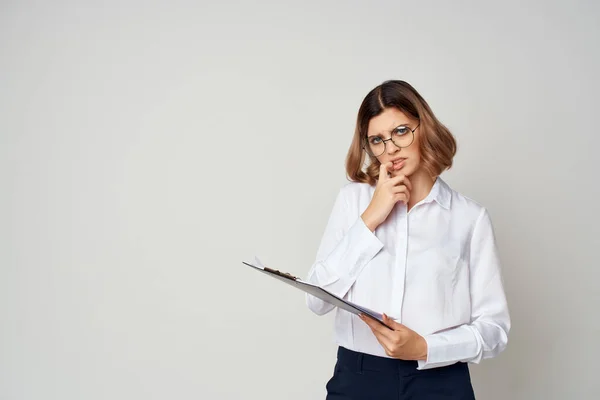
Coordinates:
[393,122]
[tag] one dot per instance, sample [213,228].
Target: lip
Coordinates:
[398,163]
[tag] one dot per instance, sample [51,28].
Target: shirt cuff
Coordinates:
[448,347]
[357,248]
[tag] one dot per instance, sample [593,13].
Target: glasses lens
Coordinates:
[375,146]
[402,136]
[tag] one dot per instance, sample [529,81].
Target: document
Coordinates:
[316,291]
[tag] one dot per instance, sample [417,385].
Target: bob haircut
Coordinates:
[437,146]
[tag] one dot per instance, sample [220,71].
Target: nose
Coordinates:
[391,148]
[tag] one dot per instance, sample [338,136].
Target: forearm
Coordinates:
[338,271]
[467,343]
[369,220]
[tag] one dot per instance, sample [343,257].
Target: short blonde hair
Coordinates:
[437,145]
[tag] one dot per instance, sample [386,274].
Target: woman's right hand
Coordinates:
[388,192]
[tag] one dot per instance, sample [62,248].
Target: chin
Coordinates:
[406,171]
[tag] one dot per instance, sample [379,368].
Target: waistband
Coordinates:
[359,362]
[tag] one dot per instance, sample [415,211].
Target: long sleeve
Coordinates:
[487,333]
[347,245]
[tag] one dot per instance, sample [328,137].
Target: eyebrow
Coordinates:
[396,126]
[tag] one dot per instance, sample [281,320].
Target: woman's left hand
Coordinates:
[399,342]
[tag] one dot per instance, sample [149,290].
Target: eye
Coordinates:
[401,131]
[374,140]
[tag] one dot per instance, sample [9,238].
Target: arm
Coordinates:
[487,334]
[346,247]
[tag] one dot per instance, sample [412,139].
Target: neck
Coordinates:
[422,183]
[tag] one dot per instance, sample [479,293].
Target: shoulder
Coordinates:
[356,190]
[356,195]
[466,206]
[469,216]
[351,188]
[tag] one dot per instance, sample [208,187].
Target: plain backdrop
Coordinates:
[148,148]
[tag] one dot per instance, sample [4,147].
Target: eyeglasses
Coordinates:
[402,136]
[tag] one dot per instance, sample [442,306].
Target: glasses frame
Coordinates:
[369,152]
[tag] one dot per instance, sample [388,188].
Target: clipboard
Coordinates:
[318,292]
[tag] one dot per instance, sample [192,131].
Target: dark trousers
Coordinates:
[359,376]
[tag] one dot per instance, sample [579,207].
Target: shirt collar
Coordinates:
[441,193]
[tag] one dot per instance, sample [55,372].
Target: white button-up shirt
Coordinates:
[434,269]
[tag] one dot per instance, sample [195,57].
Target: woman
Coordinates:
[400,241]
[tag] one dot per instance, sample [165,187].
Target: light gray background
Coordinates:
[147,148]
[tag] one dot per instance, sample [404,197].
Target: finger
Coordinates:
[391,323]
[377,327]
[401,179]
[383,340]
[398,180]
[379,335]
[401,197]
[400,189]
[366,320]
[370,322]
[383,171]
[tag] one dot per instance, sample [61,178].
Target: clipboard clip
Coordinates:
[284,274]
